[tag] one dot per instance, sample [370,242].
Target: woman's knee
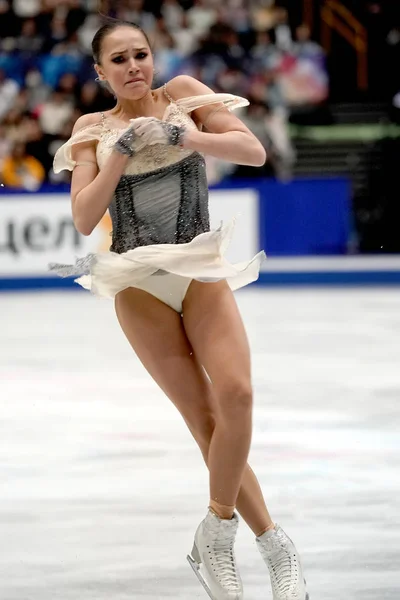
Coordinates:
[235,399]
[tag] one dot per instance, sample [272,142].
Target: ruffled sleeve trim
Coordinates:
[63,158]
[230,101]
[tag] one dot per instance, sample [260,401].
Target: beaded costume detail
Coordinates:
[147,158]
[176,212]
[159,211]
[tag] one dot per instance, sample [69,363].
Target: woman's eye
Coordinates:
[118,59]
[141,55]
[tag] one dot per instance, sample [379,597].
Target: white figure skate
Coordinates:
[283,562]
[213,558]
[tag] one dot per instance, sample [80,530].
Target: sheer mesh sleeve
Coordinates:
[63,157]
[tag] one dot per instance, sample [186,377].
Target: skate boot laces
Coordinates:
[222,558]
[284,566]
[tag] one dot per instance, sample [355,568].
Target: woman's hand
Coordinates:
[153,131]
[126,142]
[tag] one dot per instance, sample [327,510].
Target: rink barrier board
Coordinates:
[304,226]
[334,278]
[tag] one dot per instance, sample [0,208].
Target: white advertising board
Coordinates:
[242,205]
[36,231]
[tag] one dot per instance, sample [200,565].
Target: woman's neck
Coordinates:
[131,109]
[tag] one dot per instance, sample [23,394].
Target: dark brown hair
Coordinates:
[109,26]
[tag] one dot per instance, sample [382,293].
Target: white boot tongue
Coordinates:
[268,534]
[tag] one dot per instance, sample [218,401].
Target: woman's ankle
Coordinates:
[221,510]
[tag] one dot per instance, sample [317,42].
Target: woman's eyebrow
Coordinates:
[123,51]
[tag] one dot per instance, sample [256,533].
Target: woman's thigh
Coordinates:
[216,332]
[156,333]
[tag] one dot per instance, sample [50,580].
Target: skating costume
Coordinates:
[161,238]
[161,241]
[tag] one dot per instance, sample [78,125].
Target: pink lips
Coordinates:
[134,80]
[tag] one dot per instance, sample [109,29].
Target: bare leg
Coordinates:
[250,503]
[158,338]
[216,332]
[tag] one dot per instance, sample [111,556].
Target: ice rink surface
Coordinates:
[102,486]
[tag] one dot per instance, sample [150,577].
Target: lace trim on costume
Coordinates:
[104,122]
[82,266]
[151,157]
[166,94]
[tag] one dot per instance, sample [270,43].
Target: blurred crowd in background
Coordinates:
[47,79]
[250,48]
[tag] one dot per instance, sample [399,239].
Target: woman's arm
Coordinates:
[233,146]
[92,190]
[227,136]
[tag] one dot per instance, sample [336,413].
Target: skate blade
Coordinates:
[196,568]
[307,594]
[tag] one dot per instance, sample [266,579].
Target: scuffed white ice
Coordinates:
[102,487]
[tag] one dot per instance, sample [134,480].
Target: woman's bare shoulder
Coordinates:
[86,120]
[184,86]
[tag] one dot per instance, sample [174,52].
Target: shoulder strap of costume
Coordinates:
[166,93]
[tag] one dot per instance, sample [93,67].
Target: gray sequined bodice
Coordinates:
[166,206]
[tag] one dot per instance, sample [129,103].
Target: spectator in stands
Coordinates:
[236,13]
[5,144]
[56,34]
[9,90]
[8,20]
[37,142]
[69,86]
[29,43]
[201,17]
[168,59]
[264,57]
[261,15]
[94,98]
[186,42]
[172,13]
[76,16]
[55,112]
[283,34]
[13,122]
[304,75]
[20,170]
[27,8]
[305,47]
[38,92]
[87,31]
[45,46]
[134,11]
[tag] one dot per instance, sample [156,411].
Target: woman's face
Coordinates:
[126,63]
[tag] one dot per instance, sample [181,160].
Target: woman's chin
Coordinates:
[134,92]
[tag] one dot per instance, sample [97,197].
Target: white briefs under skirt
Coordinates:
[166,270]
[168,287]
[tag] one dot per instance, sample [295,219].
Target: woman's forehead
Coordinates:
[124,38]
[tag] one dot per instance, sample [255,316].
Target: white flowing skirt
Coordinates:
[201,259]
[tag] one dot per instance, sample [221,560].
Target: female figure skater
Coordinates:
[143,161]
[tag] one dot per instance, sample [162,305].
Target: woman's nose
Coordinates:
[133,66]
